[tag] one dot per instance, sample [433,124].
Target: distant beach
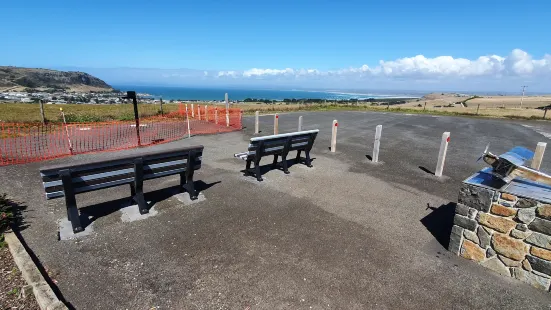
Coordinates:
[208,94]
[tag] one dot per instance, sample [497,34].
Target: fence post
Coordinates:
[199,112]
[276,124]
[300,123]
[227,117]
[192,111]
[425,107]
[216,115]
[42,112]
[67,131]
[538,155]
[544,112]
[442,153]
[334,136]
[162,114]
[477,108]
[377,144]
[188,128]
[206,113]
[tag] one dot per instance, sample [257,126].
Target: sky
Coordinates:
[355,44]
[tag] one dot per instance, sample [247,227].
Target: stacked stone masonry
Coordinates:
[508,234]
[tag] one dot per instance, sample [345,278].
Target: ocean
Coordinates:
[207,94]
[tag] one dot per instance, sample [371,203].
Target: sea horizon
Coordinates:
[240,94]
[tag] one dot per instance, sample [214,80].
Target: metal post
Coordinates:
[442,154]
[538,155]
[377,144]
[334,136]
[256,124]
[67,132]
[477,108]
[188,128]
[544,113]
[162,114]
[206,113]
[226,100]
[300,123]
[276,124]
[192,111]
[199,112]
[137,118]
[521,98]
[425,107]
[216,116]
[42,112]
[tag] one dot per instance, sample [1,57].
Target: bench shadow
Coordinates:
[91,213]
[426,170]
[269,167]
[369,157]
[440,221]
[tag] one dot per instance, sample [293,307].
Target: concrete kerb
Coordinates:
[45,296]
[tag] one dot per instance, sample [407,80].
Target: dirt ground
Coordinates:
[11,283]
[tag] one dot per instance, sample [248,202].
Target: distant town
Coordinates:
[62,97]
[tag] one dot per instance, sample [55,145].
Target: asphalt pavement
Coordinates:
[345,234]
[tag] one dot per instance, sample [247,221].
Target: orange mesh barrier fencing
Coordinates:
[29,142]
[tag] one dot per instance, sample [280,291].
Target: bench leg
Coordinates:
[138,187]
[248,167]
[284,162]
[257,170]
[70,201]
[308,160]
[274,163]
[298,156]
[189,186]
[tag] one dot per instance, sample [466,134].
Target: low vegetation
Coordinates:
[6,216]
[79,113]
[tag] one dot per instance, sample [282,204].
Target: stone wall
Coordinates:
[510,235]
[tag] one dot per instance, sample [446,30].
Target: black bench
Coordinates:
[68,180]
[278,145]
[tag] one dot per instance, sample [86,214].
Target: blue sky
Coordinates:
[341,43]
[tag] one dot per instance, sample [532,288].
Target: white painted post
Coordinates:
[334,136]
[192,111]
[276,124]
[300,123]
[256,124]
[538,155]
[188,130]
[442,153]
[377,144]
[199,112]
[226,100]
[206,113]
[216,116]
[227,110]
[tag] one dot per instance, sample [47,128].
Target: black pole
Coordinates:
[477,108]
[544,112]
[132,95]
[162,114]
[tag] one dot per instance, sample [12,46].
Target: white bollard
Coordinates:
[538,155]
[256,124]
[300,123]
[227,118]
[276,124]
[334,136]
[442,154]
[192,111]
[377,144]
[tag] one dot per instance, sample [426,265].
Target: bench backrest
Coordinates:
[103,174]
[283,143]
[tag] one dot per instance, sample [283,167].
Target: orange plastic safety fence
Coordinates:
[26,142]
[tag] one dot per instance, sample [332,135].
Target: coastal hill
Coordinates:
[19,79]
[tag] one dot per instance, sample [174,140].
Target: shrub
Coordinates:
[6,216]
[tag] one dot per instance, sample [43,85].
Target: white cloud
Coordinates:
[517,63]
